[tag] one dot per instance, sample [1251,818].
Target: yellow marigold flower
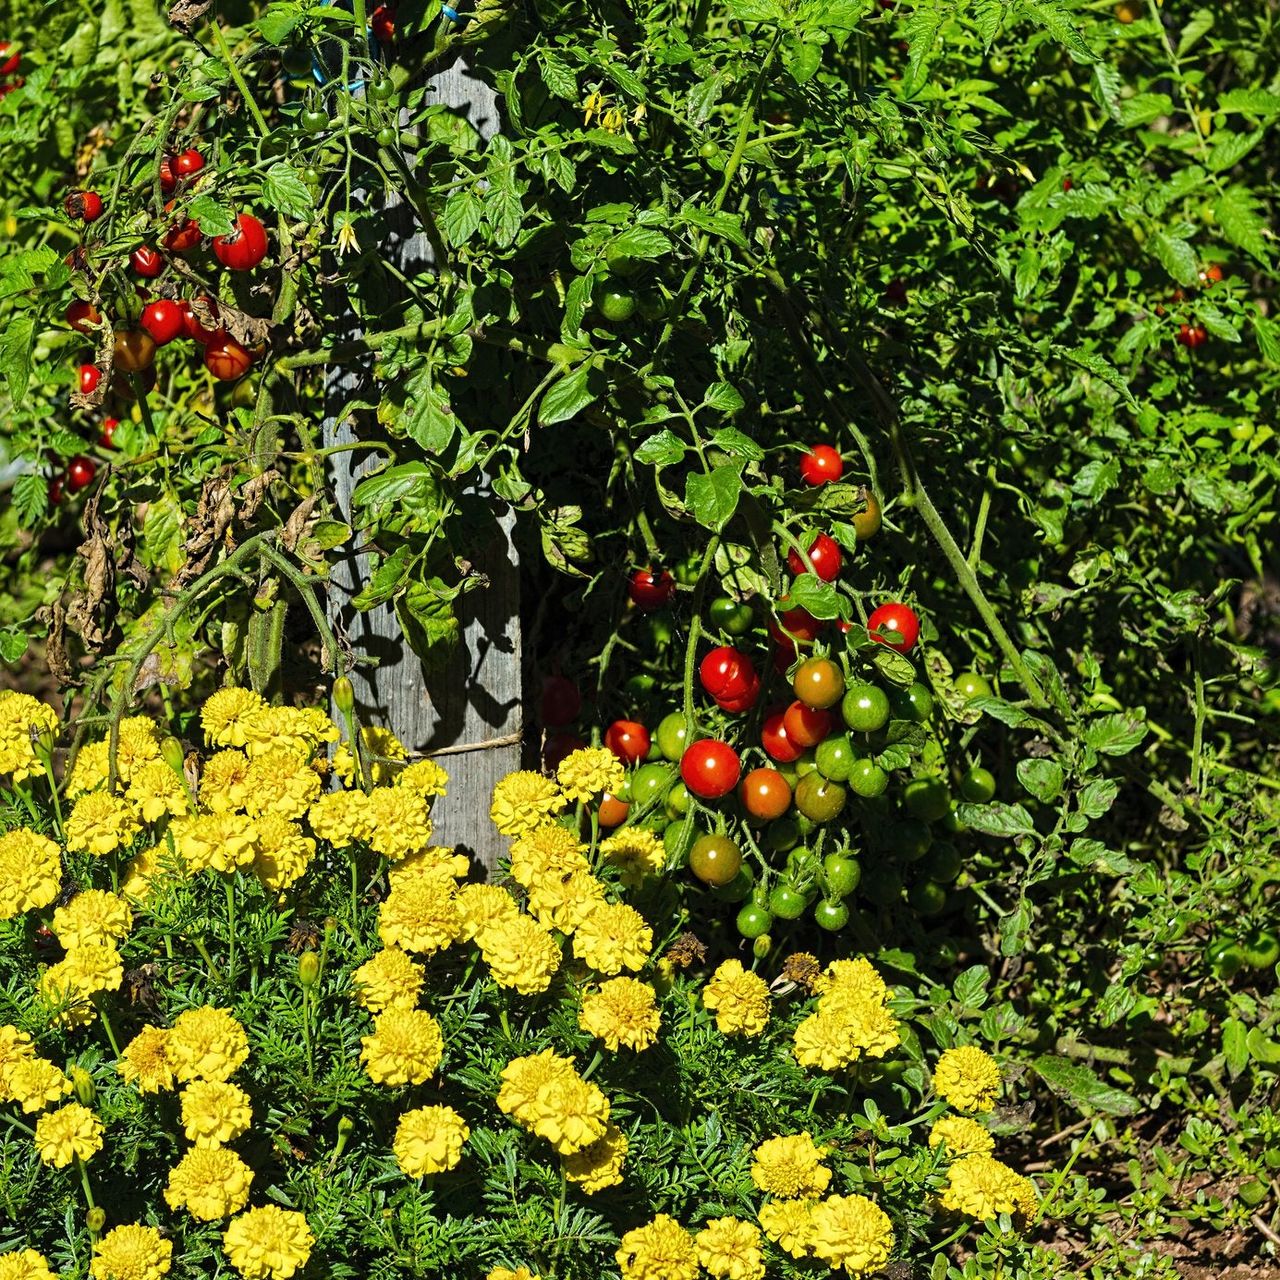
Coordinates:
[224,782]
[63,997]
[341,818]
[636,852]
[214,1112]
[505,1273]
[611,937]
[283,852]
[280,781]
[853,979]
[483,907]
[131,1252]
[15,1048]
[546,852]
[851,1232]
[268,1243]
[145,869]
[90,770]
[961,1136]
[789,1224]
[35,1083]
[72,1132]
[228,713]
[790,1167]
[729,1249]
[429,1140]
[983,1187]
[589,771]
[405,1047]
[100,823]
[25,1264]
[145,1061]
[211,1183]
[217,841]
[662,1250]
[523,1080]
[546,1095]
[967,1078]
[30,872]
[832,1040]
[155,790]
[299,729]
[563,901]
[598,1165]
[390,980]
[207,1043]
[383,750]
[740,1000]
[20,715]
[421,913]
[424,777]
[523,801]
[624,1011]
[429,861]
[521,954]
[400,822]
[93,915]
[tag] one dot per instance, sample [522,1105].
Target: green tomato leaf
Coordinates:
[568,396]
[712,497]
[1080,1086]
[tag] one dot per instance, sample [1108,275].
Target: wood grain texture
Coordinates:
[478,697]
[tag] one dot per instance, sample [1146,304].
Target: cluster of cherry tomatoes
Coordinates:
[10,61]
[782,807]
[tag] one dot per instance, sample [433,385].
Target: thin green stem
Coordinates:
[107,1027]
[82,1169]
[229,890]
[224,52]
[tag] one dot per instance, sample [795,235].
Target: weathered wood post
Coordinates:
[471,712]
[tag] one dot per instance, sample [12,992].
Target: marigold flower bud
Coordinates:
[344,695]
[761,946]
[308,969]
[83,1084]
[171,753]
[45,740]
[95,1220]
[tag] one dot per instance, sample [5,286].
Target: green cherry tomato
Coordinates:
[831,916]
[927,897]
[867,779]
[617,305]
[1012,453]
[1225,958]
[381,89]
[970,685]
[672,737]
[834,757]
[737,890]
[786,903]
[311,176]
[942,863]
[911,839]
[840,874]
[804,765]
[639,686]
[952,823]
[648,782]
[927,799]
[818,799]
[978,785]
[1035,89]
[1261,948]
[865,707]
[998,64]
[679,801]
[314,121]
[915,702]
[730,616]
[710,150]
[659,630]
[386,137]
[882,886]
[676,840]
[715,860]
[782,835]
[754,921]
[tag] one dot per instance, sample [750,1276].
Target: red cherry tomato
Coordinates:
[765,794]
[824,554]
[193,327]
[85,206]
[226,359]
[776,741]
[55,490]
[710,768]
[725,672]
[83,316]
[897,624]
[188,163]
[1211,275]
[80,473]
[168,179]
[146,261]
[794,627]
[561,701]
[745,701]
[649,590]
[557,746]
[90,375]
[183,235]
[245,247]
[163,320]
[821,465]
[107,435]
[12,61]
[628,740]
[1192,336]
[383,23]
[612,811]
[135,350]
[807,726]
